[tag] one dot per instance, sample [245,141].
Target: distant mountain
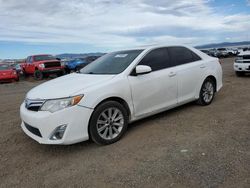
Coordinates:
[74,56]
[224,44]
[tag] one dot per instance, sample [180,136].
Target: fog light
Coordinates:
[58,132]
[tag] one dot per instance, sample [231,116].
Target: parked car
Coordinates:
[75,65]
[41,65]
[215,53]
[7,73]
[223,52]
[206,52]
[116,89]
[232,52]
[246,49]
[242,63]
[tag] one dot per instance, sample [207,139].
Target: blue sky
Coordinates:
[80,26]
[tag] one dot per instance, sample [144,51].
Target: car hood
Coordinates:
[66,86]
[6,72]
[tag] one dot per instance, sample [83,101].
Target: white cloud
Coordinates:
[115,23]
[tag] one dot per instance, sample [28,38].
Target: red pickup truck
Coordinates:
[42,65]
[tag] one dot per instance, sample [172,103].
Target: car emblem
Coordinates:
[27,103]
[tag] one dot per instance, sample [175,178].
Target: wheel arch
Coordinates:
[119,100]
[210,76]
[214,80]
[113,98]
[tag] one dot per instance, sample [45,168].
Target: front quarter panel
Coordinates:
[116,87]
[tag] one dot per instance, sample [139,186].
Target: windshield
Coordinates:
[4,67]
[112,63]
[44,57]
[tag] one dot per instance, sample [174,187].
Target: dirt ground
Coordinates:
[191,146]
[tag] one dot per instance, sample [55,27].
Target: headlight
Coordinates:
[59,104]
[41,65]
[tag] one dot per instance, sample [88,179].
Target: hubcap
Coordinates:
[110,123]
[208,92]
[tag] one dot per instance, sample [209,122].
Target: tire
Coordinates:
[207,92]
[38,75]
[112,127]
[239,73]
[61,73]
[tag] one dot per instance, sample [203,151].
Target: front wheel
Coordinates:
[38,75]
[207,92]
[108,123]
[239,73]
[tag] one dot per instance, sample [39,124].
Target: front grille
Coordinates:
[33,130]
[246,56]
[246,61]
[52,64]
[33,105]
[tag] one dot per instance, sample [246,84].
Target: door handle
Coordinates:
[202,66]
[172,74]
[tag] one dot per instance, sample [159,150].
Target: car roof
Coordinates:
[42,55]
[151,47]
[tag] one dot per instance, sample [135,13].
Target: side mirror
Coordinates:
[142,69]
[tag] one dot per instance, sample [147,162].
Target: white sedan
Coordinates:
[118,88]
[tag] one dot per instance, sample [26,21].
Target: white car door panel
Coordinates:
[154,91]
[189,76]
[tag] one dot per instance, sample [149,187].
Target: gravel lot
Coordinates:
[190,146]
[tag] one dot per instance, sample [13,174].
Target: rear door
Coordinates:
[189,68]
[157,90]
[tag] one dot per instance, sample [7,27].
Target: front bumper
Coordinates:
[76,118]
[244,67]
[8,78]
[52,70]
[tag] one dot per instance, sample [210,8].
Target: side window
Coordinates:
[157,59]
[195,57]
[182,55]
[29,59]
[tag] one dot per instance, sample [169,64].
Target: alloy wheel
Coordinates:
[110,123]
[208,92]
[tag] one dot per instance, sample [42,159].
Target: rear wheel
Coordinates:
[38,75]
[108,123]
[207,92]
[239,73]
